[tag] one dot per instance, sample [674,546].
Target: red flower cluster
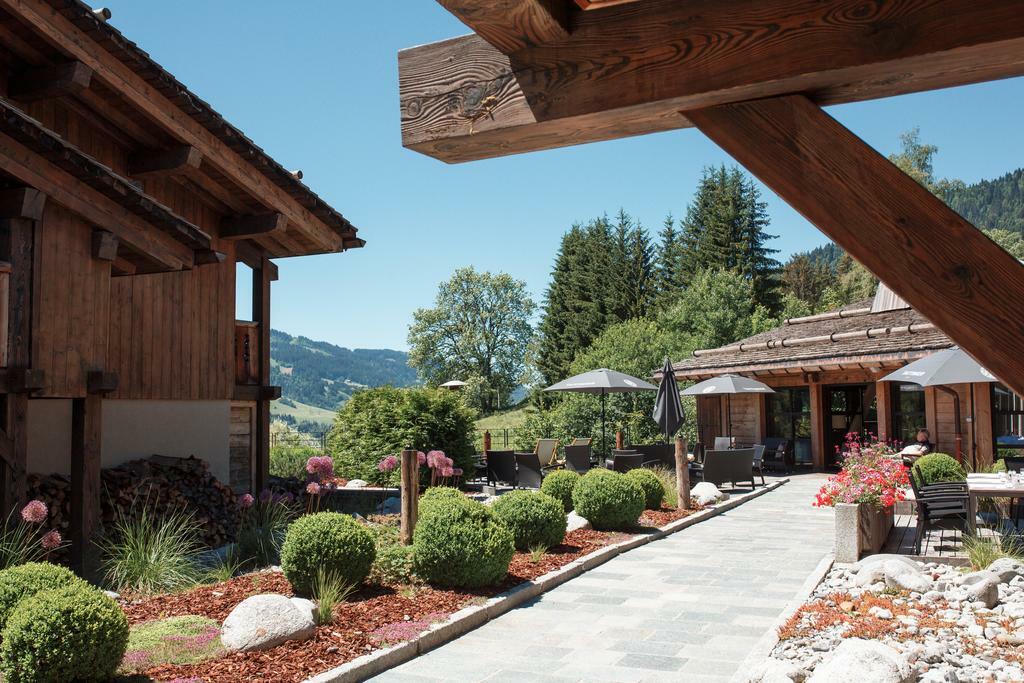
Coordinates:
[870,475]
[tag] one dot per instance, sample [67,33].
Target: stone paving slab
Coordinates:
[687,607]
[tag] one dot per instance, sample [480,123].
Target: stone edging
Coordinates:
[763,648]
[469,618]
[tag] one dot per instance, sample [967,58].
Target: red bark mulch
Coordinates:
[662,516]
[214,602]
[575,545]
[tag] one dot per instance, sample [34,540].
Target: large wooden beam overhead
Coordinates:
[631,68]
[63,35]
[164,162]
[51,81]
[939,263]
[511,25]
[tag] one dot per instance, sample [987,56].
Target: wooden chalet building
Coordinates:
[126,206]
[826,371]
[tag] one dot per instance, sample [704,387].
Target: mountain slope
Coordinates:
[323,375]
[997,203]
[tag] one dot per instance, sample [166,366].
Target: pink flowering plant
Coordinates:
[25,537]
[871,474]
[442,469]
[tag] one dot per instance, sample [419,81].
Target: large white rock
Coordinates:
[894,573]
[263,621]
[1007,568]
[860,661]
[574,522]
[706,493]
[886,557]
[983,587]
[774,670]
[357,484]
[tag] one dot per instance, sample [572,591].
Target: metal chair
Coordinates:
[723,443]
[658,455]
[529,473]
[501,467]
[758,468]
[729,466]
[943,506]
[1014,463]
[626,461]
[578,458]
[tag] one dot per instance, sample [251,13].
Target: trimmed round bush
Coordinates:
[326,541]
[608,500]
[24,581]
[439,493]
[73,633]
[559,485]
[938,467]
[654,490]
[460,542]
[535,519]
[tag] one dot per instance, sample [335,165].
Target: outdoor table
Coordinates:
[988,486]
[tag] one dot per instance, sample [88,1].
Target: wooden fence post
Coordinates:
[619,440]
[487,440]
[682,474]
[410,492]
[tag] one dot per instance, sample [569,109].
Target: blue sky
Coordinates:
[315,83]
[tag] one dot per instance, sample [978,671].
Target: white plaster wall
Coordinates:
[131,430]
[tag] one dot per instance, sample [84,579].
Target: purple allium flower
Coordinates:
[457,471]
[266,496]
[51,540]
[246,501]
[321,465]
[388,463]
[435,459]
[447,471]
[288,497]
[421,457]
[35,512]
[313,488]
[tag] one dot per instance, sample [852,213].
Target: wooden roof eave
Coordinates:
[808,364]
[25,130]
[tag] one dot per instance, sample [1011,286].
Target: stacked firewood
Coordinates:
[163,483]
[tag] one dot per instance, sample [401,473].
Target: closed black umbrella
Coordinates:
[668,407]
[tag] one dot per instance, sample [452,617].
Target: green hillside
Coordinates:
[990,204]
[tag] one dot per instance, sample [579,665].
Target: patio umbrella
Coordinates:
[727,385]
[940,369]
[668,408]
[603,382]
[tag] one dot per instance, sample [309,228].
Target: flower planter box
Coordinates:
[861,529]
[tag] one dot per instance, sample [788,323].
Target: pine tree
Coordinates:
[668,276]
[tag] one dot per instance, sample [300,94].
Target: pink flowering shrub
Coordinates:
[870,474]
[388,463]
[321,467]
[23,537]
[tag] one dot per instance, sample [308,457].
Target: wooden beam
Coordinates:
[511,25]
[164,162]
[883,405]
[210,257]
[48,82]
[261,314]
[631,69]
[62,34]
[100,382]
[22,202]
[104,245]
[940,264]
[121,267]
[598,4]
[253,257]
[243,227]
[255,392]
[86,437]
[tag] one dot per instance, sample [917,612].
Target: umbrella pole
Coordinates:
[974,436]
[728,410]
[604,439]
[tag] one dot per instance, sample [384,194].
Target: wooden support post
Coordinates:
[86,435]
[982,424]
[619,442]
[410,492]
[818,425]
[487,441]
[883,405]
[682,474]
[261,315]
[944,267]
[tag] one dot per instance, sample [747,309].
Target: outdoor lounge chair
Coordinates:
[501,467]
[578,458]
[759,462]
[775,450]
[723,443]
[529,473]
[547,451]
[1014,463]
[658,455]
[943,506]
[729,466]
[581,441]
[624,461]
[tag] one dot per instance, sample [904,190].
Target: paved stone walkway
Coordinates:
[685,608]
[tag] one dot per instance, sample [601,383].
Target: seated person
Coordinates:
[921,446]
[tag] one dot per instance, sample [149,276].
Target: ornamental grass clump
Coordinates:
[326,541]
[608,500]
[535,519]
[654,490]
[460,542]
[937,467]
[74,633]
[870,475]
[24,581]
[559,485]
[23,537]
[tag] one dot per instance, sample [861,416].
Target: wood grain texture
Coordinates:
[939,263]
[511,25]
[631,69]
[86,457]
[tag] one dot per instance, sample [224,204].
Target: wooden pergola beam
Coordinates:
[242,227]
[943,266]
[164,162]
[511,25]
[47,82]
[632,68]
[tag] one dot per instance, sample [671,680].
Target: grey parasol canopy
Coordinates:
[950,366]
[728,385]
[668,408]
[603,382]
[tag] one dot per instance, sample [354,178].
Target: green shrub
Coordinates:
[381,421]
[328,540]
[938,467]
[64,634]
[648,481]
[288,460]
[460,542]
[393,563]
[24,581]
[535,519]
[149,553]
[559,485]
[439,493]
[608,500]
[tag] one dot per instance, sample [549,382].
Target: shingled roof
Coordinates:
[856,335]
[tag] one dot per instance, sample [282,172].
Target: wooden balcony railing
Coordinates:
[247,352]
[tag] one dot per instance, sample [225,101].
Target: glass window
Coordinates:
[1007,419]
[789,417]
[908,411]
